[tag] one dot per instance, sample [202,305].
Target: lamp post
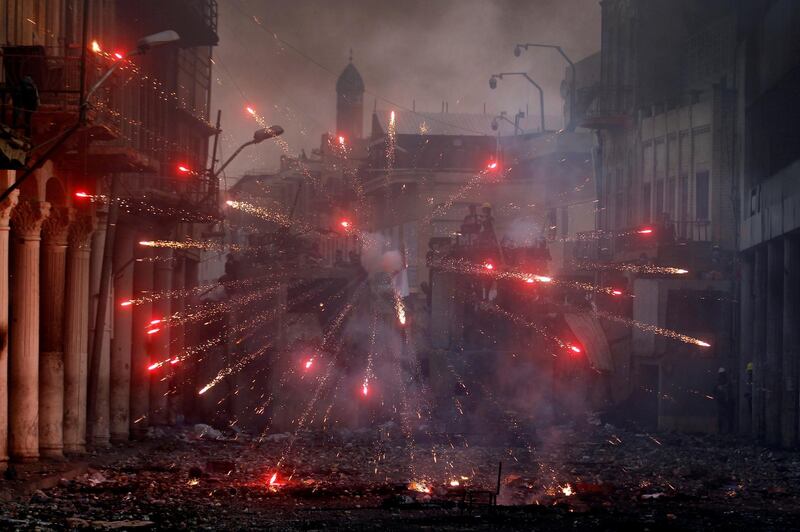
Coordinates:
[493,85]
[518,52]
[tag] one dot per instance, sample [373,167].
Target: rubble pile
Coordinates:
[564,477]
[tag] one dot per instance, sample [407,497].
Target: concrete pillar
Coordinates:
[160,347]
[759,339]
[26,218]
[119,397]
[773,385]
[177,343]
[745,345]
[790,369]
[142,314]
[76,334]
[192,334]
[51,358]
[5,216]
[98,429]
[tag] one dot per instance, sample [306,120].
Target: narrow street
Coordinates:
[400,265]
[601,478]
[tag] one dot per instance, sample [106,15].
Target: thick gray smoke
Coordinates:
[414,50]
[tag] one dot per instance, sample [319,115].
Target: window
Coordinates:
[671,197]
[646,196]
[702,195]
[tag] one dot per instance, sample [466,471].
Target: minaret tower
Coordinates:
[350,103]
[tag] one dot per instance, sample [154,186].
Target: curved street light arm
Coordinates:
[538,87]
[573,81]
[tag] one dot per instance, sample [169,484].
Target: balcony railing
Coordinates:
[129,117]
[611,108]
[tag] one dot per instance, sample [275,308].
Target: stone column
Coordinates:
[791,341]
[98,428]
[121,343]
[192,334]
[5,215]
[76,334]
[759,339]
[745,345]
[51,358]
[26,218]
[772,367]
[176,334]
[140,357]
[160,348]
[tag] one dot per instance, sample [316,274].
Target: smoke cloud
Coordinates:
[411,51]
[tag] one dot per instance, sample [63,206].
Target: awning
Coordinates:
[592,338]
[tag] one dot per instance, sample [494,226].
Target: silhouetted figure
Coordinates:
[724,396]
[25,100]
[471,226]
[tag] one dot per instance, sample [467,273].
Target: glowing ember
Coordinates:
[155,322]
[147,243]
[567,490]
[365,389]
[184,169]
[530,280]
[345,224]
[152,367]
[645,231]
[454,483]
[153,331]
[543,279]
[250,110]
[616,292]
[273,479]
[309,362]
[575,349]
[489,266]
[174,361]
[418,487]
[193,482]
[127,303]
[680,271]
[341,140]
[96,47]
[204,389]
[492,165]
[703,344]
[118,55]
[82,194]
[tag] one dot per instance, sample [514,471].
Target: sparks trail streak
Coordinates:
[190,244]
[543,331]
[270,216]
[652,328]
[635,268]
[470,268]
[474,181]
[194,291]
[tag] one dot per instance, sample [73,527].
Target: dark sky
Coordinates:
[423,50]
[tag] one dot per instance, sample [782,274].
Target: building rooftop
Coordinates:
[448,124]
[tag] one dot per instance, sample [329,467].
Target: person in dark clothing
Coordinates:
[471,226]
[26,100]
[724,397]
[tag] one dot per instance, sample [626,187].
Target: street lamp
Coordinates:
[259,136]
[493,85]
[518,52]
[142,46]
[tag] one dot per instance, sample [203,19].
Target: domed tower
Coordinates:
[350,103]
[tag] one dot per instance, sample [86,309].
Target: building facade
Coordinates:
[72,230]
